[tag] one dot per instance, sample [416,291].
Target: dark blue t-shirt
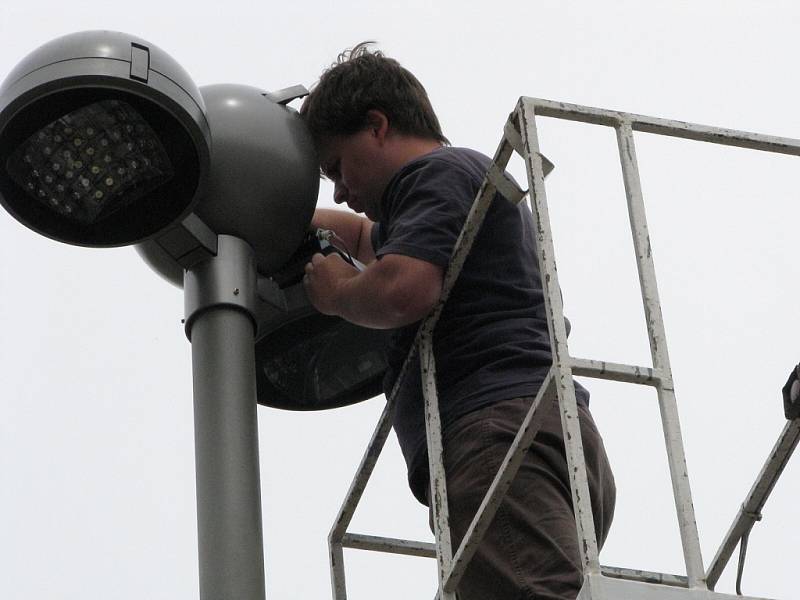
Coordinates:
[491,342]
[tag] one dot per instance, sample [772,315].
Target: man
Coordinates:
[380,143]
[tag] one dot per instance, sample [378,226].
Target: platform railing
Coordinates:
[600,582]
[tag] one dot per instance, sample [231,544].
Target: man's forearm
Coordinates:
[365,300]
[392,292]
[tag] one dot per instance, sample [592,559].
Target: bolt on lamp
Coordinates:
[105,141]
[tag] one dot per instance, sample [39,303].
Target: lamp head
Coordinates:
[263,180]
[103,140]
[264,177]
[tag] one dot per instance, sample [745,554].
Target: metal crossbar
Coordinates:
[600,582]
[750,512]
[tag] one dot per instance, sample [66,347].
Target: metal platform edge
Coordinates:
[599,587]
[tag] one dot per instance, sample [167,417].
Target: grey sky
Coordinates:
[96,447]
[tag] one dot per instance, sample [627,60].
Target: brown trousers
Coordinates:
[530,551]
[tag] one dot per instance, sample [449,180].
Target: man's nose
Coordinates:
[339,193]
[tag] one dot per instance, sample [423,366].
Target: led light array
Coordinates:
[91,162]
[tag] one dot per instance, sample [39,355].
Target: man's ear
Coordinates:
[378,123]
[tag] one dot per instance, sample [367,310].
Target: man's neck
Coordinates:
[407,148]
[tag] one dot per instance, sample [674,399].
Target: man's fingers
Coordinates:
[315,260]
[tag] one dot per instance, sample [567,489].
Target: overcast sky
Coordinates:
[96,432]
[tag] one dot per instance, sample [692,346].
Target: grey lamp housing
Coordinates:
[306,360]
[262,187]
[103,140]
[263,178]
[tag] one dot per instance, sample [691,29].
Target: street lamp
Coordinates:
[106,141]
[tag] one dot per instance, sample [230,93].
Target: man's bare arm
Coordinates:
[352,229]
[392,292]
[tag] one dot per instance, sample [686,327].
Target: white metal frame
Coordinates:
[600,582]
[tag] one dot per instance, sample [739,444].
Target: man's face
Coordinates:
[356,165]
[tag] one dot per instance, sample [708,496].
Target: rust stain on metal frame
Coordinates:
[338,580]
[558,339]
[438,482]
[505,185]
[389,545]
[646,576]
[690,539]
[667,127]
[363,473]
[601,369]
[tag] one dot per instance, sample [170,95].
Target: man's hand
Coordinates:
[323,280]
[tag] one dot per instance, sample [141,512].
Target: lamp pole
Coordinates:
[220,296]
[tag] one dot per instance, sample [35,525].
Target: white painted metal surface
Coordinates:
[438,487]
[556,325]
[658,351]
[750,512]
[600,582]
[598,587]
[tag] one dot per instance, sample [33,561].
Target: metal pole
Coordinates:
[219,295]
